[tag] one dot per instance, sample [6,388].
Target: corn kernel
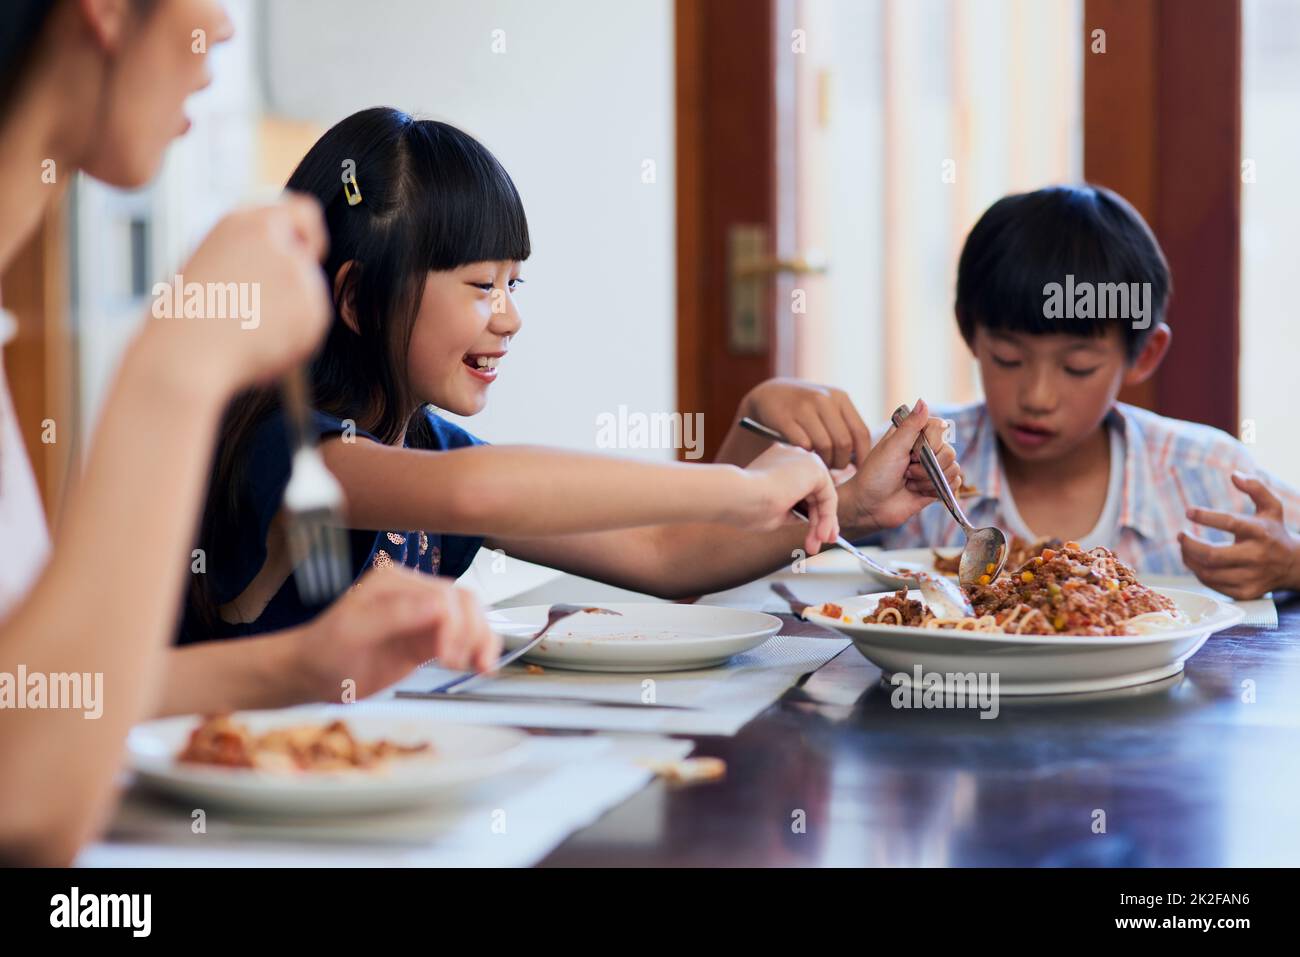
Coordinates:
[1113,585]
[988,569]
[984,579]
[1059,622]
[1048,554]
[1026,577]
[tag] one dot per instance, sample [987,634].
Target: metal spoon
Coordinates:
[986,548]
[938,593]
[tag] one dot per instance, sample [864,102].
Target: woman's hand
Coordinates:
[1264,554]
[781,478]
[811,416]
[891,485]
[390,623]
[265,302]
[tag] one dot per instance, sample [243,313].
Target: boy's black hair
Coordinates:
[1026,241]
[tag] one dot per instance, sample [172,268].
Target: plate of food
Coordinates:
[1065,621]
[945,561]
[644,637]
[324,759]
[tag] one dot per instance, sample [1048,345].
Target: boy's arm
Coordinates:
[814,417]
[1264,554]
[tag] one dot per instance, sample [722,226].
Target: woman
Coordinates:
[99,86]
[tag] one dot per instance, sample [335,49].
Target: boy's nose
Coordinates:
[1038,395]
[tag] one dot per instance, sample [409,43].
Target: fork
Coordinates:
[313,501]
[942,597]
[556,613]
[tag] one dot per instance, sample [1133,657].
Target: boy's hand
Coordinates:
[811,416]
[1263,556]
[891,485]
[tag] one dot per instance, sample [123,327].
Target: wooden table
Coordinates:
[1202,769]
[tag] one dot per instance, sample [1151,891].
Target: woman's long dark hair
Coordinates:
[432,199]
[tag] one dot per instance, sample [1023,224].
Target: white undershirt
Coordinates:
[1106,531]
[24,539]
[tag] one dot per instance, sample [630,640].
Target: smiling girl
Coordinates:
[424,272]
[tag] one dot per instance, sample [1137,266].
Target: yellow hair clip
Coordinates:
[350,180]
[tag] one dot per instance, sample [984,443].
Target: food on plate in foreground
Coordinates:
[222,741]
[1065,591]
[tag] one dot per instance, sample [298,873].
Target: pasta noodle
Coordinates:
[1060,591]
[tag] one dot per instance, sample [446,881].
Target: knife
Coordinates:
[535,699]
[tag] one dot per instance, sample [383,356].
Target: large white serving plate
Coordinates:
[463,756]
[1035,664]
[645,636]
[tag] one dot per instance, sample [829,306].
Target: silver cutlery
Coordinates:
[536,699]
[986,548]
[939,594]
[556,613]
[313,502]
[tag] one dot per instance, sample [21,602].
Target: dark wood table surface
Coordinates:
[1202,769]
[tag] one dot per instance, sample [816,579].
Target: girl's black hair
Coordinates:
[1025,241]
[432,198]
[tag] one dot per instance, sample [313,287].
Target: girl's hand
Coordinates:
[390,623]
[811,416]
[273,303]
[1264,554]
[781,478]
[891,485]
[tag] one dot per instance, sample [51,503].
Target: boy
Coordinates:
[1061,295]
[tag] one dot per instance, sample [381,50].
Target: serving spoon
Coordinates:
[938,593]
[986,548]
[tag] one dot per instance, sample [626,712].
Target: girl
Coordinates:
[99,86]
[424,270]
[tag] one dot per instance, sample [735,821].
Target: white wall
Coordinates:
[581,97]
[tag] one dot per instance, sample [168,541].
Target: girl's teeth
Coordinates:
[486,362]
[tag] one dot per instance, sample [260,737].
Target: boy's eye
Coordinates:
[1005,363]
[1081,373]
[485,286]
[515,284]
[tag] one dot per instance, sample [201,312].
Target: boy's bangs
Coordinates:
[1058,261]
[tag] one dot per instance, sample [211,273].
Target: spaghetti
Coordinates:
[1061,591]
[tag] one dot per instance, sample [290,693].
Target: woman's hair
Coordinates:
[432,199]
[23,22]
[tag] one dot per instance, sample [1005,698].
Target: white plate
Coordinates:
[1035,664]
[463,755]
[645,637]
[909,559]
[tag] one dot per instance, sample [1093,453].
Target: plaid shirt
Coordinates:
[1169,465]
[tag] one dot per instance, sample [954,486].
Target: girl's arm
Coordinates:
[677,561]
[390,623]
[526,492]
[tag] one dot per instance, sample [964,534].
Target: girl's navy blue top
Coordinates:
[266,472]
